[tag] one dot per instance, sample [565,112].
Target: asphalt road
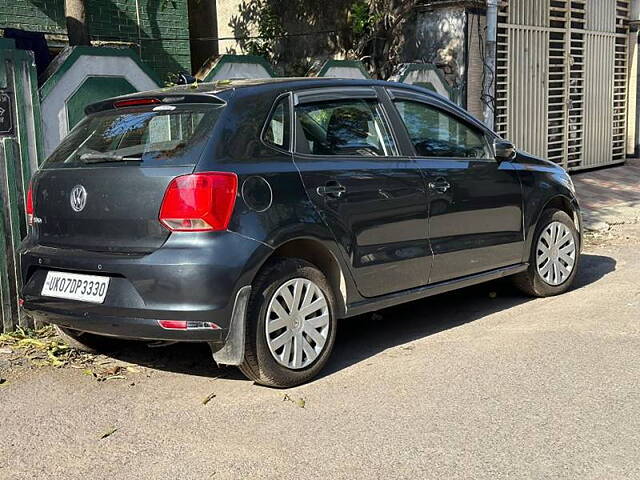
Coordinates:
[459,386]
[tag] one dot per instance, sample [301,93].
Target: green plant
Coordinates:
[268,29]
[361,19]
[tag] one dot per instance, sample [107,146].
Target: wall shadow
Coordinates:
[362,337]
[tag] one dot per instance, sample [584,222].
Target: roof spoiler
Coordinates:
[152,98]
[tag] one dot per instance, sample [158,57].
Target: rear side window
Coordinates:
[345,127]
[277,129]
[437,134]
[162,136]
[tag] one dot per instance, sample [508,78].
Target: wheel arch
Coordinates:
[561,202]
[315,252]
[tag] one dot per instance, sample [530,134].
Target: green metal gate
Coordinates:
[20,147]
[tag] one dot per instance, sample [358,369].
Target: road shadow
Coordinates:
[362,337]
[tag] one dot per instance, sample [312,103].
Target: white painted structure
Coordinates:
[54,103]
[230,67]
[343,69]
[344,72]
[425,75]
[230,71]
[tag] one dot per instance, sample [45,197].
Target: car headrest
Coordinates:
[346,125]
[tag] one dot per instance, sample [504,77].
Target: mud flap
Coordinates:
[232,353]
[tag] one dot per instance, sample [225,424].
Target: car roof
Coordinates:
[280,84]
[221,90]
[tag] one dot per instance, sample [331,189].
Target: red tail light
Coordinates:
[29,206]
[200,202]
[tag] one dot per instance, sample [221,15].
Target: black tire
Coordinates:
[259,364]
[84,341]
[530,281]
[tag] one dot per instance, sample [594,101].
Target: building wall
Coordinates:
[226,11]
[438,38]
[311,30]
[161,37]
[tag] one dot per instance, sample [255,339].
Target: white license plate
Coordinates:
[86,288]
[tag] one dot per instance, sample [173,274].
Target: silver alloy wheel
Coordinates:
[297,323]
[556,253]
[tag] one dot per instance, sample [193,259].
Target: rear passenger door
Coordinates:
[475,202]
[372,198]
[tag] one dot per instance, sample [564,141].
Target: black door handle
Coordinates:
[332,189]
[440,185]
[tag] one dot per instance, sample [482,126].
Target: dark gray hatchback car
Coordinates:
[252,215]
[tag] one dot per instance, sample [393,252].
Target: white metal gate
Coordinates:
[561,79]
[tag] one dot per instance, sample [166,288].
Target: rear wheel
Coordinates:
[84,341]
[291,324]
[555,252]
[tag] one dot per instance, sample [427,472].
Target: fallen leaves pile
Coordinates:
[43,348]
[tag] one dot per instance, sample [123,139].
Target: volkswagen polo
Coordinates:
[253,215]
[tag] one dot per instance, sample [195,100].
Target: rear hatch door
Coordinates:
[102,188]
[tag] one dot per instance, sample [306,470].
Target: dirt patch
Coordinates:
[614,235]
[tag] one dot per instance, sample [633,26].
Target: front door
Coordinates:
[372,199]
[475,202]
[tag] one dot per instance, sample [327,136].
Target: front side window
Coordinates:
[343,127]
[276,131]
[437,134]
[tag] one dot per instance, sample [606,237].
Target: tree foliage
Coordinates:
[366,30]
[377,27]
[269,29]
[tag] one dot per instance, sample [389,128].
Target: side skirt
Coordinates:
[397,298]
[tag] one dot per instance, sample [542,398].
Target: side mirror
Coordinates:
[504,151]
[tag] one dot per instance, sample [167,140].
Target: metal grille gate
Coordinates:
[561,79]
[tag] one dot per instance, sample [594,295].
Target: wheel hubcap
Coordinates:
[556,253]
[297,323]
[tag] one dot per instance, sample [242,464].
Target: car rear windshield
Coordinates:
[165,135]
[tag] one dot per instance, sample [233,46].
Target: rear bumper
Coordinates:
[124,327]
[191,278]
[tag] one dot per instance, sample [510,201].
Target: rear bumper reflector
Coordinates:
[187,325]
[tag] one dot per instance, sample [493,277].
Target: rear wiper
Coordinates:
[106,157]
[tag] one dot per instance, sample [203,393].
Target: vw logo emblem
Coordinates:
[78,198]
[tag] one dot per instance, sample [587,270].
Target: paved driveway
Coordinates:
[610,196]
[459,386]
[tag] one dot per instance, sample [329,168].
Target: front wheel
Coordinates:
[291,324]
[554,257]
